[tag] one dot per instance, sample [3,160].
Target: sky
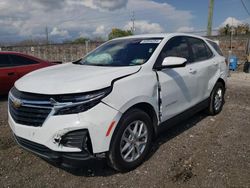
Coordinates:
[70,19]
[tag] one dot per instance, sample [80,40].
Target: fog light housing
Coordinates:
[77,139]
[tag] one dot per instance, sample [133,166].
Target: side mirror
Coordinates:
[173,62]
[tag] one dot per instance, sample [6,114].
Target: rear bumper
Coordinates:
[66,159]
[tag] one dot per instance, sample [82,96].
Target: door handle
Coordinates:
[11,73]
[215,63]
[192,71]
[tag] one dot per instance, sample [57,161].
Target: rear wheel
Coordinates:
[131,142]
[216,99]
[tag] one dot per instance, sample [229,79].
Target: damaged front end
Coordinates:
[74,139]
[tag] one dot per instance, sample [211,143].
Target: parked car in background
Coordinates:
[115,100]
[14,65]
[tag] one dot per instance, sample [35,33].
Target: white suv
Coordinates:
[115,100]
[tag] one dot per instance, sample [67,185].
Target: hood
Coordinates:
[71,78]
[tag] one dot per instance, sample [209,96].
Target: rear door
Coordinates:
[24,65]
[8,74]
[178,85]
[206,65]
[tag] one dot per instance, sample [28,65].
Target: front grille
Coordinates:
[27,115]
[30,112]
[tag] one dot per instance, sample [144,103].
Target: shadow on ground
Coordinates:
[99,167]
[3,98]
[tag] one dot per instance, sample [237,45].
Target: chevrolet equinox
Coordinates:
[113,102]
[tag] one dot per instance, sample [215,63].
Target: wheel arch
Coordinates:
[147,108]
[222,81]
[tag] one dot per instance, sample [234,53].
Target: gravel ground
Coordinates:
[204,151]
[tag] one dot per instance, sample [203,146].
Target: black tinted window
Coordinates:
[4,60]
[216,47]
[200,49]
[176,47]
[19,60]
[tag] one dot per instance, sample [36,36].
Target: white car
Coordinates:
[114,101]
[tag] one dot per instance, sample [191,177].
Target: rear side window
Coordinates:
[19,60]
[200,49]
[216,47]
[5,61]
[176,47]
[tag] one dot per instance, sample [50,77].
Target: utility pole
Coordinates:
[47,35]
[133,22]
[210,17]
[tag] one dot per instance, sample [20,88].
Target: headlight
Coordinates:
[73,104]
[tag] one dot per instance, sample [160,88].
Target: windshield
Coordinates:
[124,52]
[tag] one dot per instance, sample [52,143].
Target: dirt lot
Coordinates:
[204,151]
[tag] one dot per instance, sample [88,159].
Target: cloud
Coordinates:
[50,4]
[57,32]
[100,30]
[231,21]
[165,14]
[185,29]
[69,19]
[143,26]
[109,5]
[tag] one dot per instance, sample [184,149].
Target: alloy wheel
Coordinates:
[218,99]
[133,141]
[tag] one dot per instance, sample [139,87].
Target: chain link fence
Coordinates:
[55,52]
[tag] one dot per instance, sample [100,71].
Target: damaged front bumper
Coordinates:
[67,159]
[69,139]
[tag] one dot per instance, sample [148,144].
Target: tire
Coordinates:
[216,101]
[127,149]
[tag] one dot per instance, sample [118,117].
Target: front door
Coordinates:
[178,85]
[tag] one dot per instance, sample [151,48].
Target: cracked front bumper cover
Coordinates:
[66,159]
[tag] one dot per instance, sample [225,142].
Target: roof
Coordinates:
[161,35]
[22,54]
[12,52]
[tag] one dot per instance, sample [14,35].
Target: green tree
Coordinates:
[224,30]
[115,33]
[80,40]
[242,29]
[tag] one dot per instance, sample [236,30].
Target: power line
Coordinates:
[245,7]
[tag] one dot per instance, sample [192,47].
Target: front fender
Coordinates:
[134,89]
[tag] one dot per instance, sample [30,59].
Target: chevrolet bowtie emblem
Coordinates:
[17,103]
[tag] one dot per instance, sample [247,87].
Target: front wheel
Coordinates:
[216,99]
[131,142]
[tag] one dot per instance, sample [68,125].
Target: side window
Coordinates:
[5,61]
[20,60]
[176,47]
[200,49]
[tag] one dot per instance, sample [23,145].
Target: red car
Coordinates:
[14,65]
